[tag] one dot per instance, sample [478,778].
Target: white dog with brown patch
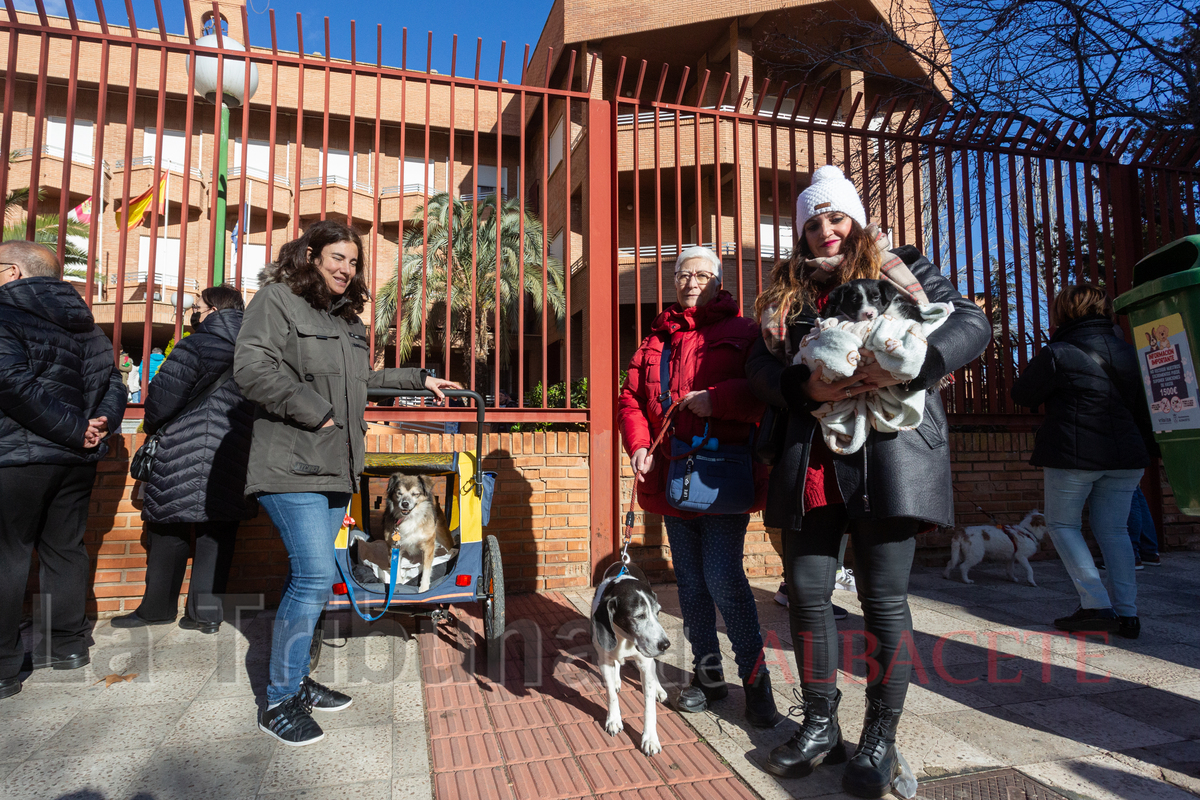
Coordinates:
[1012,543]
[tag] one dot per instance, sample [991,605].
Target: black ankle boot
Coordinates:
[707,686]
[818,741]
[875,764]
[760,701]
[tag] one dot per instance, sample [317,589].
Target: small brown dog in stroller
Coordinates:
[413,523]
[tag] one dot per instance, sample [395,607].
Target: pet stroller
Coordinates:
[473,574]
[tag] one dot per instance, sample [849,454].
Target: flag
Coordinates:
[233,234]
[138,206]
[83,212]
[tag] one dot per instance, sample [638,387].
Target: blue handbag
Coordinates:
[705,476]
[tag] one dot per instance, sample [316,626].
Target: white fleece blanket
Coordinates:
[899,345]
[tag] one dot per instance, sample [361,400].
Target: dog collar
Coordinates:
[603,587]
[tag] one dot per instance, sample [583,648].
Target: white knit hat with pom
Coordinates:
[829,191]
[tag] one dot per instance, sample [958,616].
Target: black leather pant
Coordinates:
[883,556]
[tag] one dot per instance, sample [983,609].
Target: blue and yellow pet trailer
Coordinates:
[475,574]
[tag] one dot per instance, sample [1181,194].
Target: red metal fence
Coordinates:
[1011,208]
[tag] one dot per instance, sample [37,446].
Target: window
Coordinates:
[766,235]
[340,166]
[174,145]
[417,177]
[556,147]
[486,183]
[555,248]
[81,143]
[254,258]
[166,264]
[258,158]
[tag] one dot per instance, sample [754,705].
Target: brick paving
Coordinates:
[537,729]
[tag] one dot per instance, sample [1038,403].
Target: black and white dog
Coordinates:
[864,299]
[625,626]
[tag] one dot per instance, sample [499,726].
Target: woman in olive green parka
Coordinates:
[302,356]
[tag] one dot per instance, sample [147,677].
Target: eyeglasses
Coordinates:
[9,266]
[702,278]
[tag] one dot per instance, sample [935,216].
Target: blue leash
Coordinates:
[394,571]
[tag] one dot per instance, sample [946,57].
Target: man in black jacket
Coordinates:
[61,394]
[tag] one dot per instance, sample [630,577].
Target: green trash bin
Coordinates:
[1164,312]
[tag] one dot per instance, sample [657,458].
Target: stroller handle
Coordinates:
[381,394]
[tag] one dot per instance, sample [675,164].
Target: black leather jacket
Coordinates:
[1091,424]
[904,474]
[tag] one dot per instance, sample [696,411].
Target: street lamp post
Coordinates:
[233,88]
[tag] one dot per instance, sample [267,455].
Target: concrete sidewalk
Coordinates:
[992,693]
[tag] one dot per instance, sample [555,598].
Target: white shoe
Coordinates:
[781,595]
[844,580]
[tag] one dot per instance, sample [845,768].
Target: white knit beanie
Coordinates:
[829,191]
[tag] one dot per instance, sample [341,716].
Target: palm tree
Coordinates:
[444,246]
[45,230]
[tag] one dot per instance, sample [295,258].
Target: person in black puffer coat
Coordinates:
[1093,447]
[199,473]
[61,395]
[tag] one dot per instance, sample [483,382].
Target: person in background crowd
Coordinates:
[198,477]
[302,356]
[156,360]
[816,496]
[134,383]
[61,395]
[1093,448]
[708,341]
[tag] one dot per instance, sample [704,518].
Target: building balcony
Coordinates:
[338,191]
[51,170]
[142,174]
[258,184]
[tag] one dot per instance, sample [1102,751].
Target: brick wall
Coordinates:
[540,515]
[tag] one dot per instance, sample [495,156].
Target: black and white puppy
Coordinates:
[625,626]
[865,299]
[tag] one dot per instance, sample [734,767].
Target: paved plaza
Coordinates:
[996,701]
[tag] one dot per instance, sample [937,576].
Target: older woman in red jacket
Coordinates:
[708,342]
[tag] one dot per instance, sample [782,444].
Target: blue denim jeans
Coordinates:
[707,555]
[1108,494]
[308,523]
[1141,526]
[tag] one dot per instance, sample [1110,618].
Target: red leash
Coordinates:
[628,534]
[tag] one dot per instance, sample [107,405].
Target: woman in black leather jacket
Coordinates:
[896,486]
[1093,448]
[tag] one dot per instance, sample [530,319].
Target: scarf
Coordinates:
[821,271]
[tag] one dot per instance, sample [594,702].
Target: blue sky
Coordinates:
[519,22]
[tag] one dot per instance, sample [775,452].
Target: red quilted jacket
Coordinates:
[709,345]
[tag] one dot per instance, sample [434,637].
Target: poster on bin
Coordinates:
[1168,374]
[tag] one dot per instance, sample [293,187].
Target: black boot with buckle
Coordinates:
[819,740]
[876,763]
[707,686]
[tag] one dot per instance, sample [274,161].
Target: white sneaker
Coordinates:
[844,580]
[781,596]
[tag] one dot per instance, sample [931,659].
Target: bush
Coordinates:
[555,398]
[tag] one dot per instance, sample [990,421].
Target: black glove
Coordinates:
[792,386]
